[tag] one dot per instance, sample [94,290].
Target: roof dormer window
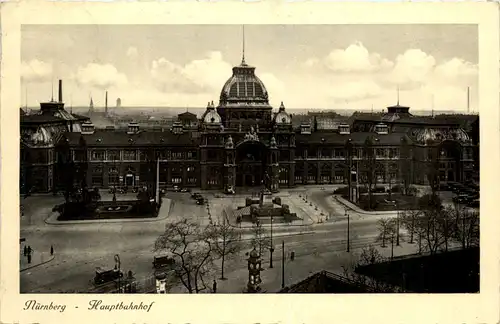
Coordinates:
[344,129]
[381,129]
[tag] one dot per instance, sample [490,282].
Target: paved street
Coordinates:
[79,249]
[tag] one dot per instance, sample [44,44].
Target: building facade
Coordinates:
[244,142]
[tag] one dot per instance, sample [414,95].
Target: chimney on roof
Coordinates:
[60,91]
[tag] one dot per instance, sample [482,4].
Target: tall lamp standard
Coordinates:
[271,248]
[397,226]
[348,225]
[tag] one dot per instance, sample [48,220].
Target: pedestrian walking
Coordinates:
[51,250]
[214,287]
[29,258]
[29,250]
[25,250]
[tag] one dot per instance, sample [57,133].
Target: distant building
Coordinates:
[118,103]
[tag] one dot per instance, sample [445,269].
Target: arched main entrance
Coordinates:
[251,164]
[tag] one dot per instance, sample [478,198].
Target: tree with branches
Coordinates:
[409,221]
[226,243]
[260,240]
[192,247]
[385,228]
[465,226]
[368,256]
[430,228]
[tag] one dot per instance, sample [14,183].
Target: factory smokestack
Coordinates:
[106,104]
[60,91]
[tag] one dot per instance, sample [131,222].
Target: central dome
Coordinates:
[244,88]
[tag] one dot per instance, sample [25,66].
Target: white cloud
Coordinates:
[100,76]
[355,58]
[36,71]
[132,52]
[275,88]
[412,67]
[418,75]
[198,76]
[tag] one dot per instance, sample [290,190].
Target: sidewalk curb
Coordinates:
[358,210]
[39,264]
[52,219]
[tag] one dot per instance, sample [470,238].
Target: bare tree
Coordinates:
[430,230]
[260,240]
[368,256]
[385,228]
[465,226]
[409,221]
[226,240]
[192,247]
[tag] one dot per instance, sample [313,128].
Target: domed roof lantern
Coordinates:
[282,107]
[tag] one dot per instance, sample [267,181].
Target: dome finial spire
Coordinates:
[398,95]
[243,45]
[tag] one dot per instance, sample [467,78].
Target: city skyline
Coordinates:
[357,67]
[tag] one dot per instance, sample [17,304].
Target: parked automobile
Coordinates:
[200,201]
[196,195]
[176,189]
[461,199]
[162,261]
[185,190]
[104,276]
[444,187]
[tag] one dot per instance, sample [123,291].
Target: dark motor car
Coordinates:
[162,261]
[200,201]
[196,195]
[104,276]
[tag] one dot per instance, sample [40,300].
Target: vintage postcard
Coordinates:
[310,153]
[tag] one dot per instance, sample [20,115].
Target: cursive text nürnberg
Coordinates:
[34,305]
[98,305]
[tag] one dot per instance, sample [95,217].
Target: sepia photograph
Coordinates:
[231,159]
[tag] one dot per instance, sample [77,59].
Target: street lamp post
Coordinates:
[348,229]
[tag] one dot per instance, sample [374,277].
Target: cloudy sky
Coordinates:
[305,66]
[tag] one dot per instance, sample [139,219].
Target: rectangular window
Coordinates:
[192,180]
[97,155]
[113,155]
[130,155]
[176,180]
[298,179]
